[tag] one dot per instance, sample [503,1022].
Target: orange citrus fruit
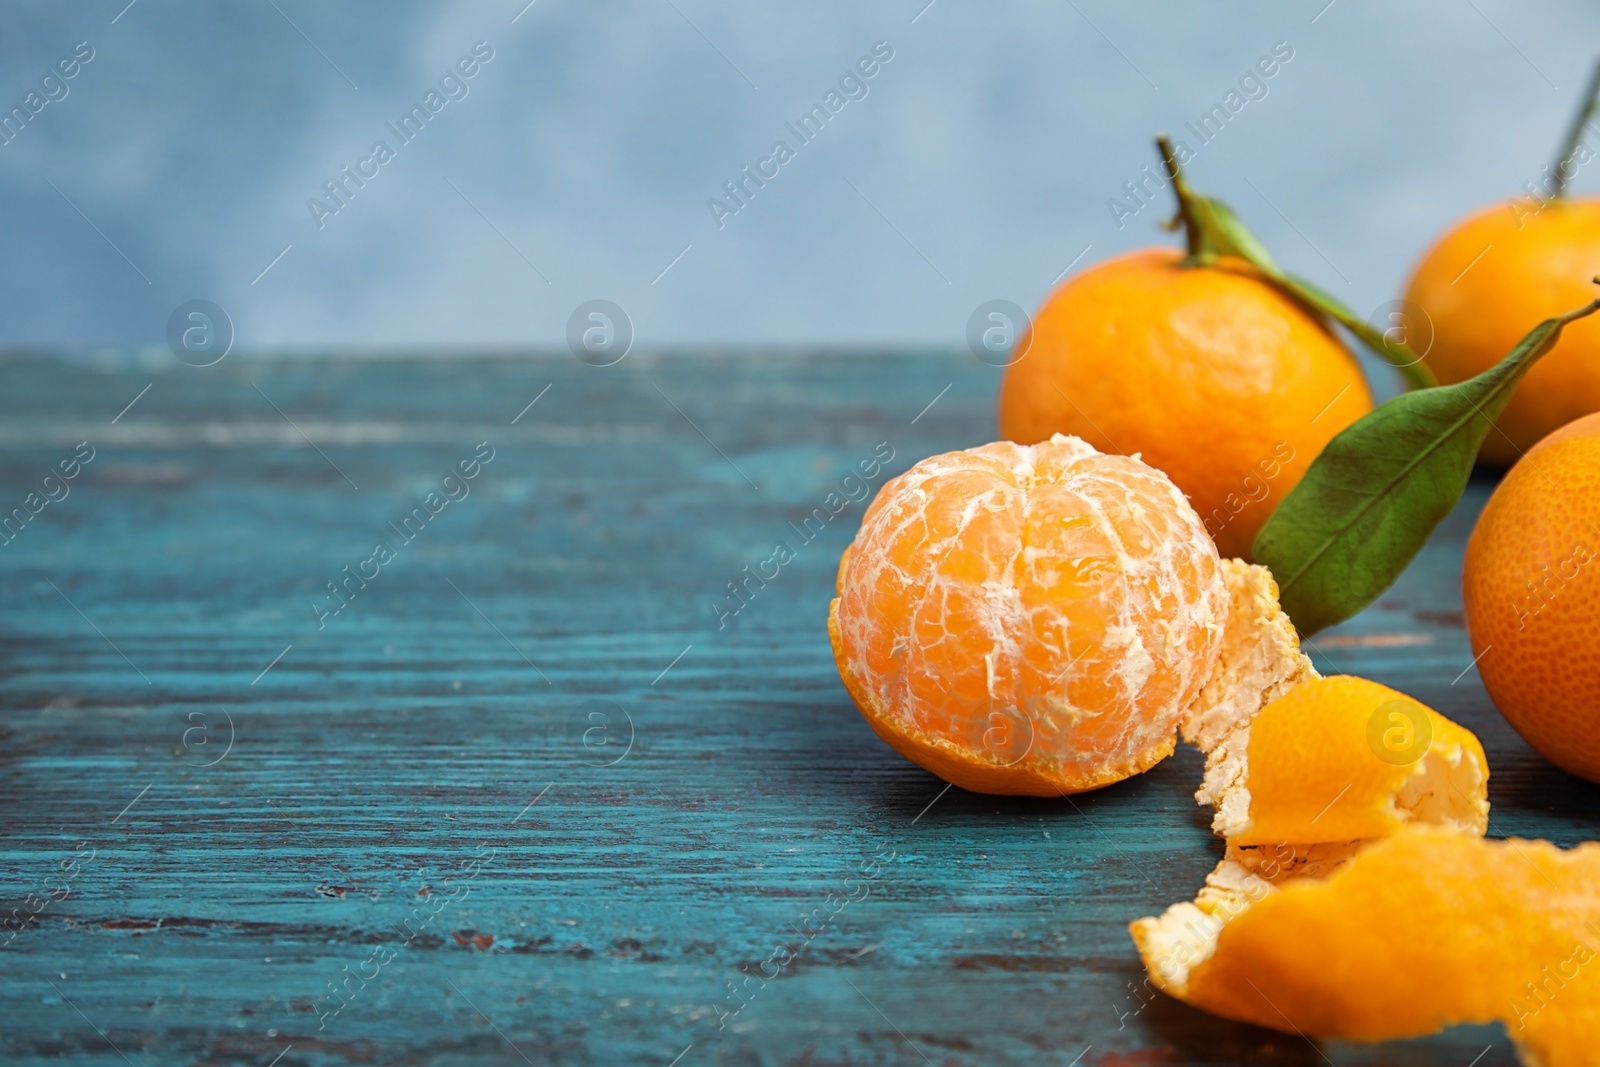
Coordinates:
[1210,374]
[1531,588]
[1416,932]
[1492,278]
[1036,619]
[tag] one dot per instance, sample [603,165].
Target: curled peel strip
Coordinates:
[1378,912]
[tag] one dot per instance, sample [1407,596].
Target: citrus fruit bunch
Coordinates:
[1048,614]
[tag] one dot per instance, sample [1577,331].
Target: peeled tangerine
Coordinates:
[1041,619]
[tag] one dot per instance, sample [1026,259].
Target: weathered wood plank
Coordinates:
[559,618]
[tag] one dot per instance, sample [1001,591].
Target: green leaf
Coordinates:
[1231,237]
[1410,366]
[1321,299]
[1369,502]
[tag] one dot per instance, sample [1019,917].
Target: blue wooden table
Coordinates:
[526,787]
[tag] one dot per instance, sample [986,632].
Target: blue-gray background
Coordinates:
[978,166]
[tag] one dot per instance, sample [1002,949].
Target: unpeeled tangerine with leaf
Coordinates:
[1212,365]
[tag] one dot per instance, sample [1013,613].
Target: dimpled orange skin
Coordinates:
[1420,931]
[1210,374]
[1531,587]
[1528,274]
[1028,620]
[1314,776]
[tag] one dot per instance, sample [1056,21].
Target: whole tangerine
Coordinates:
[1029,619]
[1209,373]
[1531,587]
[1492,278]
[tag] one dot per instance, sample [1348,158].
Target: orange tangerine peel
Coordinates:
[1040,619]
[1343,759]
[1425,929]
[1318,783]
[1259,662]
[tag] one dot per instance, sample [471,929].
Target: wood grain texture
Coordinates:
[511,651]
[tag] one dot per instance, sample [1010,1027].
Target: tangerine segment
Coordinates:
[1342,759]
[1029,619]
[1426,929]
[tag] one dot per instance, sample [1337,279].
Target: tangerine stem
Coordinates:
[1569,146]
[1212,230]
[1194,234]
